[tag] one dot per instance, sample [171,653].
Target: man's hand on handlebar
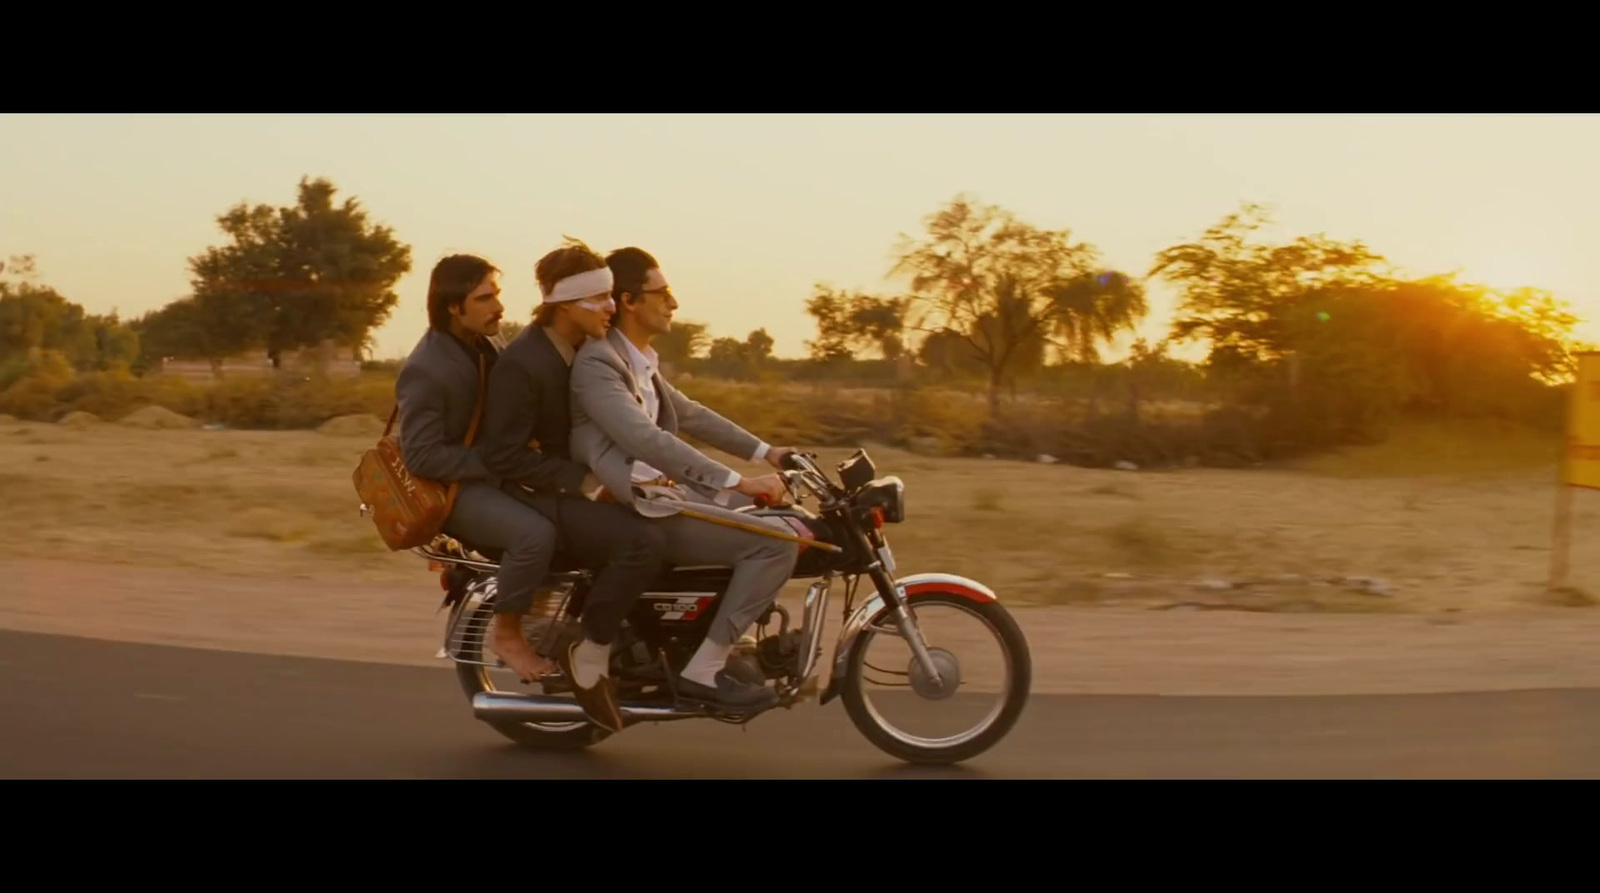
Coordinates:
[775,456]
[768,486]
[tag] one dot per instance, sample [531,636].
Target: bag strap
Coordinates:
[477,412]
[392,416]
[472,431]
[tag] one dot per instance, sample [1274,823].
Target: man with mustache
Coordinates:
[437,393]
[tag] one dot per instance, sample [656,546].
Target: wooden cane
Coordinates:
[761,529]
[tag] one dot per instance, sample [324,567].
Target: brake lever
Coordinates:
[801,483]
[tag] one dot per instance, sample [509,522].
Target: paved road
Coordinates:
[82,708]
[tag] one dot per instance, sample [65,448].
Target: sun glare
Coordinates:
[1508,273]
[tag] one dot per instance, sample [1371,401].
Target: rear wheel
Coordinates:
[943,698]
[476,677]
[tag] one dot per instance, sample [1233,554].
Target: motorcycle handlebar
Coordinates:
[792,461]
[804,468]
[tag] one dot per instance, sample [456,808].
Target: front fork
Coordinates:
[909,630]
[815,617]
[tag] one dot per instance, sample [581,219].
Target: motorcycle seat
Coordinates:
[448,548]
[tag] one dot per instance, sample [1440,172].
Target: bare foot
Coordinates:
[509,644]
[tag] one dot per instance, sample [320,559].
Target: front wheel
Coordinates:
[927,698]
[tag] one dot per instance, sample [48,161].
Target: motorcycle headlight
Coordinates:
[888,495]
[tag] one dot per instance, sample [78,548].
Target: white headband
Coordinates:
[581,285]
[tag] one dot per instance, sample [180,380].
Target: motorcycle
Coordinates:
[846,540]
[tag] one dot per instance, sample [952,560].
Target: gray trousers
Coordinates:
[761,564]
[487,517]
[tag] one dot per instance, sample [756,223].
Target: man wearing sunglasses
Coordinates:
[626,419]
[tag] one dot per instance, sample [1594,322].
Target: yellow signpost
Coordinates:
[1580,459]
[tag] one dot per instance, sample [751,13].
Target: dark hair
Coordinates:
[453,279]
[629,267]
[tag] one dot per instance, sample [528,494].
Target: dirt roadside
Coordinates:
[1075,650]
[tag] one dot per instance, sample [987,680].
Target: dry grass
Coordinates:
[1429,451]
[1472,534]
[1462,533]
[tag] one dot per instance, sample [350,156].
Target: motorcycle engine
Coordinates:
[630,654]
[779,655]
[743,663]
[551,636]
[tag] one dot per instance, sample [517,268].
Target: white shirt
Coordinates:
[644,369]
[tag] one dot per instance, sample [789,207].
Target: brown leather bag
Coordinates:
[409,511]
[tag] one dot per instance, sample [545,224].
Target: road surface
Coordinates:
[85,708]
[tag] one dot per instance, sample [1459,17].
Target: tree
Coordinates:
[849,323]
[36,317]
[1544,329]
[758,346]
[190,327]
[682,342]
[731,358]
[1335,346]
[1089,309]
[1458,348]
[1007,288]
[294,277]
[1235,294]
[951,352]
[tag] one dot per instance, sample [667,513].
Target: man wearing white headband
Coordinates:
[527,427]
[625,424]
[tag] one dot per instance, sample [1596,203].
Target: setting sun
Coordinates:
[1506,273]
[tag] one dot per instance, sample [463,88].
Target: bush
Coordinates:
[289,402]
[30,385]
[42,393]
[922,419]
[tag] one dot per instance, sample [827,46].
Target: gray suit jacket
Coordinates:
[437,392]
[610,431]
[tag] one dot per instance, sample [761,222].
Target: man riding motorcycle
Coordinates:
[626,418]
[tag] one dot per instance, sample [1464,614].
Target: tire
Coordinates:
[535,736]
[1021,666]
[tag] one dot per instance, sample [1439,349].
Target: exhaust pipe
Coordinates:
[500,706]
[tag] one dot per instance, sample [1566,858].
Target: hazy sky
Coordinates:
[746,212]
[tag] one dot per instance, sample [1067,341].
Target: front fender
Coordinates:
[907,586]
